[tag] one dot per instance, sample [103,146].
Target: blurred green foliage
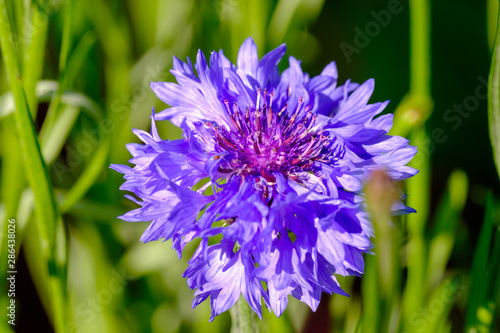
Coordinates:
[80,70]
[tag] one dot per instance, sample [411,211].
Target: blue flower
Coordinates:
[286,157]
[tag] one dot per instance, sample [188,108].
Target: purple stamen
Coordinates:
[277,143]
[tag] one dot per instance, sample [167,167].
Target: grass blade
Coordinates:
[478,288]
[34,56]
[418,186]
[36,171]
[438,307]
[87,178]
[443,233]
[66,41]
[489,307]
[494,100]
[371,299]
[52,146]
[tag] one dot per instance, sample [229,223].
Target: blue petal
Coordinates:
[267,71]
[248,61]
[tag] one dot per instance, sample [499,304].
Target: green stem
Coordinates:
[494,99]
[478,289]
[420,61]
[418,186]
[12,183]
[52,113]
[371,298]
[35,166]
[243,318]
[36,171]
[34,55]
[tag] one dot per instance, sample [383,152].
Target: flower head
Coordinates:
[286,157]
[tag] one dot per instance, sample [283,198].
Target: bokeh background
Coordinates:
[85,68]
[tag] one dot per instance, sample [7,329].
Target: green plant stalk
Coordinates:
[387,246]
[34,56]
[493,283]
[494,99]
[446,223]
[36,171]
[380,196]
[478,288]
[418,190]
[12,183]
[444,296]
[52,146]
[491,21]
[418,186]
[281,20]
[37,174]
[420,61]
[52,113]
[18,9]
[243,318]
[78,57]
[371,298]
[35,261]
[352,317]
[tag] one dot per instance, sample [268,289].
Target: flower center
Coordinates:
[262,142]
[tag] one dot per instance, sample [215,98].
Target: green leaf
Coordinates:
[492,280]
[243,318]
[35,166]
[372,301]
[494,100]
[87,178]
[487,311]
[52,113]
[12,183]
[7,105]
[44,92]
[478,288]
[79,56]
[34,55]
[443,232]
[36,171]
[45,89]
[436,312]
[491,17]
[53,144]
